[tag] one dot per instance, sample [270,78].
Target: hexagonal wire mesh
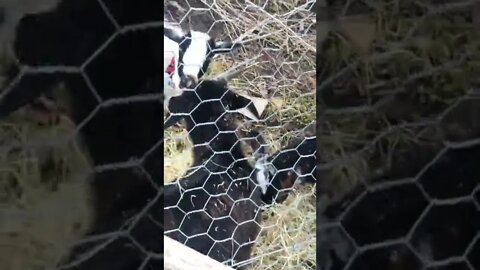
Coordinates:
[79,113]
[221,211]
[398,137]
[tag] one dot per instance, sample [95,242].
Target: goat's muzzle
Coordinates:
[189,81]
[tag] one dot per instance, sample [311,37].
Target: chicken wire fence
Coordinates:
[279,49]
[81,140]
[80,105]
[398,135]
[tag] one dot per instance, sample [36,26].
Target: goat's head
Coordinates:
[196,52]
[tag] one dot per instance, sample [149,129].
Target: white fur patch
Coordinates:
[196,53]
[262,180]
[175,27]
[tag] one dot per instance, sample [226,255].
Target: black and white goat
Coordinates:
[216,207]
[196,51]
[187,57]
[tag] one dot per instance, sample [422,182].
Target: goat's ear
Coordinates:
[173,34]
[242,105]
[172,120]
[178,106]
[175,105]
[225,46]
[236,101]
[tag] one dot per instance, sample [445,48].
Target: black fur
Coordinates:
[297,158]
[206,105]
[218,198]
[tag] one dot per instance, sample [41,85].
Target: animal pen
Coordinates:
[81,138]
[227,215]
[82,149]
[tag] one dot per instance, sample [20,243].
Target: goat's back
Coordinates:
[216,211]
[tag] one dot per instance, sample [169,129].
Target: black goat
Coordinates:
[216,207]
[217,211]
[205,111]
[221,182]
[205,114]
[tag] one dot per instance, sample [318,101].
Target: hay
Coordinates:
[419,59]
[283,73]
[287,240]
[44,192]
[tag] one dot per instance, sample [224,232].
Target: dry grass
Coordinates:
[283,72]
[177,153]
[415,62]
[44,192]
[288,240]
